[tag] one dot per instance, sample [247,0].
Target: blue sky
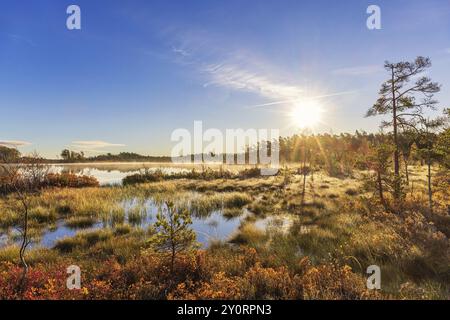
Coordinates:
[137,70]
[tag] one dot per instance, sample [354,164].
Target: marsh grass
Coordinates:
[203,205]
[123,246]
[54,204]
[42,215]
[8,218]
[80,222]
[235,200]
[34,256]
[342,228]
[351,192]
[257,208]
[122,229]
[231,213]
[136,215]
[82,240]
[249,234]
[115,216]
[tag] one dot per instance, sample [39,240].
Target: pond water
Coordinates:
[213,226]
[113,173]
[137,213]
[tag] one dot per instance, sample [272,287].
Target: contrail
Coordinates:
[295,100]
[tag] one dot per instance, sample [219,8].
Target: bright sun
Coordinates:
[306,113]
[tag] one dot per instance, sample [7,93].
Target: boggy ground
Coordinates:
[316,250]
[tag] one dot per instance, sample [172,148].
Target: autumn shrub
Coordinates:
[220,287]
[270,283]
[48,282]
[333,282]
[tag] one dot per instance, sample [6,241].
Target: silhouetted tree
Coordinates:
[398,98]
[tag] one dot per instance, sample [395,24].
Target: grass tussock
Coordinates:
[248,234]
[231,213]
[80,222]
[82,240]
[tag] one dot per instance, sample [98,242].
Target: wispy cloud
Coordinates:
[447,50]
[237,77]
[19,38]
[358,71]
[222,64]
[296,100]
[180,51]
[94,145]
[14,143]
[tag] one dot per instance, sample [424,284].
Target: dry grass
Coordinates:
[338,225]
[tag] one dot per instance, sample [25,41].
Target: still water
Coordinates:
[113,173]
[213,226]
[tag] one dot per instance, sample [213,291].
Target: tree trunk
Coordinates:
[304,187]
[380,187]
[23,246]
[304,177]
[430,193]
[406,170]
[396,151]
[172,261]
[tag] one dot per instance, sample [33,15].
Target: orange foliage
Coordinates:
[148,277]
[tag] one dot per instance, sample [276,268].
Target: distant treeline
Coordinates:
[339,154]
[11,155]
[72,156]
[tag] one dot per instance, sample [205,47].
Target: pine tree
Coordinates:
[172,232]
[398,98]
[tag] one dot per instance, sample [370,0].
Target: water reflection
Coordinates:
[112,174]
[137,213]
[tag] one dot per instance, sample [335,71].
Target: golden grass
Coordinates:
[344,225]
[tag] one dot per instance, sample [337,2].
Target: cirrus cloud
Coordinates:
[358,71]
[94,145]
[239,78]
[14,143]
[232,68]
